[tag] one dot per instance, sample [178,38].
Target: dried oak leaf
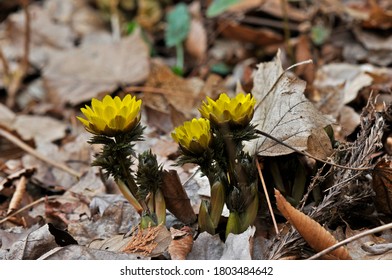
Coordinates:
[181,244]
[282,111]
[382,186]
[314,234]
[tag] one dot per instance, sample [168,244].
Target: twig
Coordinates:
[6,67]
[150,89]
[115,21]
[19,74]
[267,197]
[351,239]
[38,201]
[313,157]
[38,155]
[18,195]
[286,29]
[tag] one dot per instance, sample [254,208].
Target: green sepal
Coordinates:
[160,207]
[217,202]
[248,217]
[147,221]
[204,221]
[233,224]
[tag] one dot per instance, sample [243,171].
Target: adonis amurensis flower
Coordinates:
[111,116]
[236,112]
[193,136]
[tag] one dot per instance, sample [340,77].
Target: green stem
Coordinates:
[180,56]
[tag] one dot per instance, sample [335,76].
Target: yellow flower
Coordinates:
[237,111]
[110,116]
[193,136]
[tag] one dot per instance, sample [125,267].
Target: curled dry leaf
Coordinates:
[382,186]
[315,235]
[282,111]
[181,244]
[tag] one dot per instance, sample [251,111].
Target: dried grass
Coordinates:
[350,187]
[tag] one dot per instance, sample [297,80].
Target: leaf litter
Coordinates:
[74,57]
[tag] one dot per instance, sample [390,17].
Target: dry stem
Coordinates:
[37,154]
[17,77]
[18,195]
[267,197]
[351,239]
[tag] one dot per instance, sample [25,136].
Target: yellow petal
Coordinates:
[117,102]
[118,123]
[108,101]
[108,114]
[127,98]
[86,123]
[99,123]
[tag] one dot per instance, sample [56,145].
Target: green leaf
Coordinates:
[130,27]
[218,7]
[178,71]
[178,24]
[221,68]
[319,34]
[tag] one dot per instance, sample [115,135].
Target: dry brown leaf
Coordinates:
[33,245]
[379,17]
[319,144]
[118,218]
[348,78]
[369,247]
[39,128]
[76,252]
[149,13]
[7,117]
[315,235]
[378,46]
[382,185]
[243,33]
[181,244]
[303,53]
[196,42]
[274,7]
[44,31]
[282,110]
[348,120]
[173,98]
[177,200]
[79,74]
